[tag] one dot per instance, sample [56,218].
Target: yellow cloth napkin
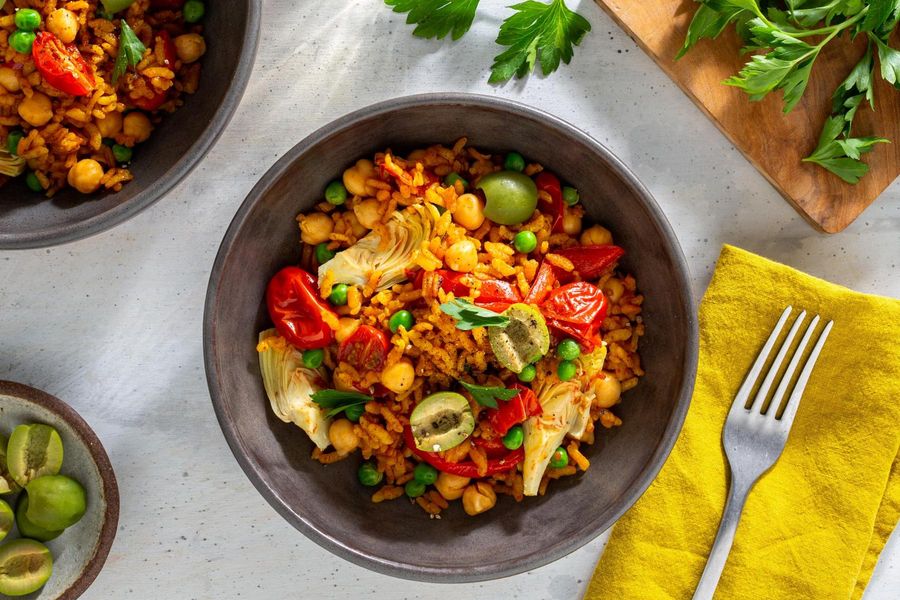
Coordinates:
[813,526]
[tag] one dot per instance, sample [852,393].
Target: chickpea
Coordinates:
[572,221]
[342,436]
[85,175]
[368,213]
[399,377]
[469,211]
[9,79]
[137,125]
[63,24]
[451,486]
[613,289]
[478,498]
[596,236]
[315,228]
[110,125]
[355,177]
[346,327]
[462,256]
[355,226]
[608,390]
[36,111]
[190,47]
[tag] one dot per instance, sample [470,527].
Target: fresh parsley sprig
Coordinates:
[536,31]
[488,395]
[337,401]
[131,50]
[468,316]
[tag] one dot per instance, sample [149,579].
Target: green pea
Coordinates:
[121,153]
[335,193]
[570,196]
[338,295]
[525,241]
[323,254]
[12,141]
[33,183]
[566,370]
[452,178]
[568,349]
[21,41]
[401,317]
[312,359]
[425,474]
[354,412]
[560,458]
[369,475]
[527,374]
[55,502]
[514,162]
[28,19]
[514,438]
[414,488]
[193,11]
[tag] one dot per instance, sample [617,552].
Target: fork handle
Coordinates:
[737,495]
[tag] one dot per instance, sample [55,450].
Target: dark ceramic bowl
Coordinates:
[29,220]
[79,553]
[326,503]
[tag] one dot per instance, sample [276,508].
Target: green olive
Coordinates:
[29,529]
[25,566]
[6,519]
[425,473]
[511,197]
[8,485]
[55,502]
[33,451]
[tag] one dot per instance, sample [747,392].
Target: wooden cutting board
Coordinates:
[772,141]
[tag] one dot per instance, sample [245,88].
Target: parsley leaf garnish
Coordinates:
[130,51]
[468,316]
[437,18]
[338,401]
[841,156]
[537,31]
[488,395]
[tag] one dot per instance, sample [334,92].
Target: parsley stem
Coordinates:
[834,29]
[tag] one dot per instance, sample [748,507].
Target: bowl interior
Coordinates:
[327,503]
[28,219]
[79,553]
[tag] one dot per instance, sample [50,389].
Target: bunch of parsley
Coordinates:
[787,37]
[535,31]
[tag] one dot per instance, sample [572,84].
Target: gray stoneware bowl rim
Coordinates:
[66,233]
[407,570]
[104,467]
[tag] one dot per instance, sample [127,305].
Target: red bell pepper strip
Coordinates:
[515,410]
[542,285]
[61,65]
[493,447]
[296,309]
[494,294]
[548,182]
[366,348]
[466,468]
[591,261]
[576,309]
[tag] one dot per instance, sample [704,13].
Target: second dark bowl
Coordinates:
[327,503]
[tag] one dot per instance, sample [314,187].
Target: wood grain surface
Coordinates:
[773,141]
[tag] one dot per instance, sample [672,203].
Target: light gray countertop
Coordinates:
[112,324]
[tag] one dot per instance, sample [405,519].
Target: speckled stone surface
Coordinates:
[112,324]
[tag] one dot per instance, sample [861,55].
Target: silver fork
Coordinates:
[754,439]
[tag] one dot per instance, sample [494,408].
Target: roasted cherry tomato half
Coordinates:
[515,410]
[366,349]
[296,309]
[61,65]
[576,309]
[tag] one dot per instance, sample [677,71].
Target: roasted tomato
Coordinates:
[61,65]
[591,261]
[515,410]
[576,309]
[365,350]
[297,311]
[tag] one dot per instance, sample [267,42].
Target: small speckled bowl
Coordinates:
[326,502]
[79,553]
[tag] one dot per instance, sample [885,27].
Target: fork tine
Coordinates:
[787,419]
[743,394]
[759,401]
[791,368]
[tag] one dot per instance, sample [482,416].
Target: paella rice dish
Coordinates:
[455,325]
[84,82]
